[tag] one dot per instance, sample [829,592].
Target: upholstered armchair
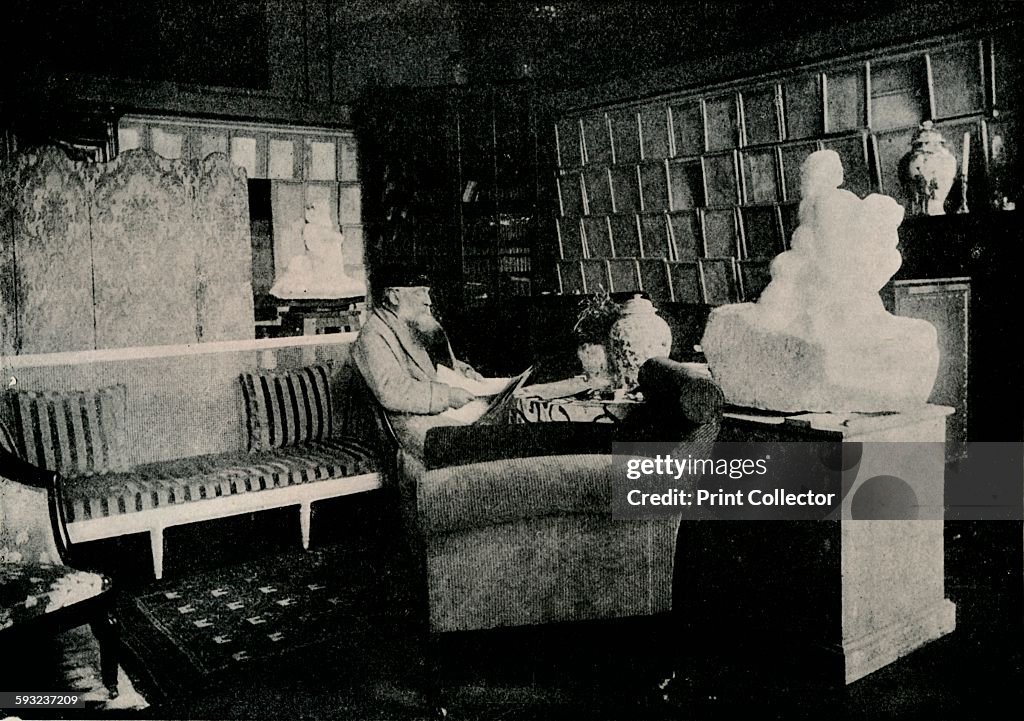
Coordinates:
[515,524]
[39,593]
[511,525]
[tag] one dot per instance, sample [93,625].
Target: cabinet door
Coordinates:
[944,303]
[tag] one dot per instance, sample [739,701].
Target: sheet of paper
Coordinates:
[485,387]
[556,389]
[469,413]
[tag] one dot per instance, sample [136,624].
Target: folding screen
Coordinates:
[139,251]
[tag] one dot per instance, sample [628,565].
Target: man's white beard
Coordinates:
[425,324]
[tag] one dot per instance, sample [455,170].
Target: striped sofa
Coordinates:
[171,439]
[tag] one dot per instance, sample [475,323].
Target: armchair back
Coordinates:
[32,524]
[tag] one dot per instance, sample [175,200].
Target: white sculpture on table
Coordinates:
[318,272]
[819,338]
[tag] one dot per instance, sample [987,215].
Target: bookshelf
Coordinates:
[457,179]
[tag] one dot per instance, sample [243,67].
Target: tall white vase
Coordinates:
[639,334]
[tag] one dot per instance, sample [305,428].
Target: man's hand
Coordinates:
[467,370]
[458,397]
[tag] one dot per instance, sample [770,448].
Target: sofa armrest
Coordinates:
[13,468]
[688,394]
[476,495]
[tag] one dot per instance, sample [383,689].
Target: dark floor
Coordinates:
[604,670]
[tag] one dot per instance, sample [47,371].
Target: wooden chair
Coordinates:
[40,593]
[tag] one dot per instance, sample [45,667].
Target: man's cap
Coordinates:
[400,275]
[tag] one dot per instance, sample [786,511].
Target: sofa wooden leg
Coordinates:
[108,634]
[305,514]
[156,547]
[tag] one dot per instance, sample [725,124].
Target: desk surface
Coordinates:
[535,404]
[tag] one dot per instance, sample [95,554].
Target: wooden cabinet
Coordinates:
[945,303]
[986,247]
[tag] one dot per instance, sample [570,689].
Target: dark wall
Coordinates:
[305,61]
[222,44]
[296,61]
[741,40]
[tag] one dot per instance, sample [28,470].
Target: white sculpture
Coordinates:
[319,272]
[819,338]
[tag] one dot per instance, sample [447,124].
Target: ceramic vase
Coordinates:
[929,170]
[639,334]
[594,359]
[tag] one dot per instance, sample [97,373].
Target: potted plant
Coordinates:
[594,319]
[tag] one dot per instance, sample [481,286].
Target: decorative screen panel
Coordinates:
[570,238]
[654,234]
[625,189]
[845,106]
[599,196]
[48,293]
[142,221]
[720,237]
[687,286]
[760,116]
[686,235]
[686,184]
[760,176]
[802,108]
[898,93]
[596,140]
[595,229]
[688,128]
[722,122]
[570,145]
[654,186]
[654,279]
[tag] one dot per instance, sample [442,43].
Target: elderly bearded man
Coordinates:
[393,354]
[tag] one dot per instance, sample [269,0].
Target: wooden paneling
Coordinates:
[845,107]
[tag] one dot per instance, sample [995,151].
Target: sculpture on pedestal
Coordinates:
[319,272]
[819,338]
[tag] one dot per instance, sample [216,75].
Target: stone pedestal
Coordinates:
[869,591]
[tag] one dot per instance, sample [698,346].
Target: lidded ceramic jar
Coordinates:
[639,334]
[929,170]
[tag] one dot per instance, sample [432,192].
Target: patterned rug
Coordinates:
[219,625]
